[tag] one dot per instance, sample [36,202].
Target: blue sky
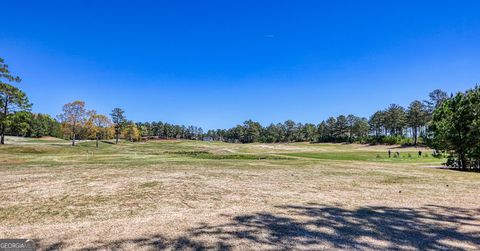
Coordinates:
[218,63]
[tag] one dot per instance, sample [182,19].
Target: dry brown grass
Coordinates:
[187,203]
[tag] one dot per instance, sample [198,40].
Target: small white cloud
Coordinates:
[269,36]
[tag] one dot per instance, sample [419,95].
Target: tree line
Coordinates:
[393,125]
[450,124]
[79,123]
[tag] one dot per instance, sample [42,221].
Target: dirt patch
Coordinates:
[12,161]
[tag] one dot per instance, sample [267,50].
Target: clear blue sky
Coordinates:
[218,63]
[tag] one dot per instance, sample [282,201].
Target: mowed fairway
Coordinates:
[211,195]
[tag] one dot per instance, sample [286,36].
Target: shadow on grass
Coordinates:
[468,170]
[107,142]
[315,226]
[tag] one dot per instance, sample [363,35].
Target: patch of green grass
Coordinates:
[189,153]
[366,156]
[40,140]
[128,154]
[208,155]
[25,149]
[150,184]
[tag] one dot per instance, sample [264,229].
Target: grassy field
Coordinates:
[212,195]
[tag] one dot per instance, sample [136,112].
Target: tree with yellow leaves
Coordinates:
[131,132]
[98,126]
[73,118]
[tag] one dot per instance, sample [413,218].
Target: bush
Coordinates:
[388,140]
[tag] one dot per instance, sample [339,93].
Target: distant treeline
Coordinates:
[393,125]
[162,130]
[449,124]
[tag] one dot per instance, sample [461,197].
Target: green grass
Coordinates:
[126,154]
[150,184]
[368,156]
[208,155]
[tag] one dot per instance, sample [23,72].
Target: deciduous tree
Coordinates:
[99,126]
[131,132]
[73,116]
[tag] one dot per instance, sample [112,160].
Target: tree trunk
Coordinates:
[2,137]
[464,161]
[415,135]
[116,138]
[97,142]
[2,140]
[74,127]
